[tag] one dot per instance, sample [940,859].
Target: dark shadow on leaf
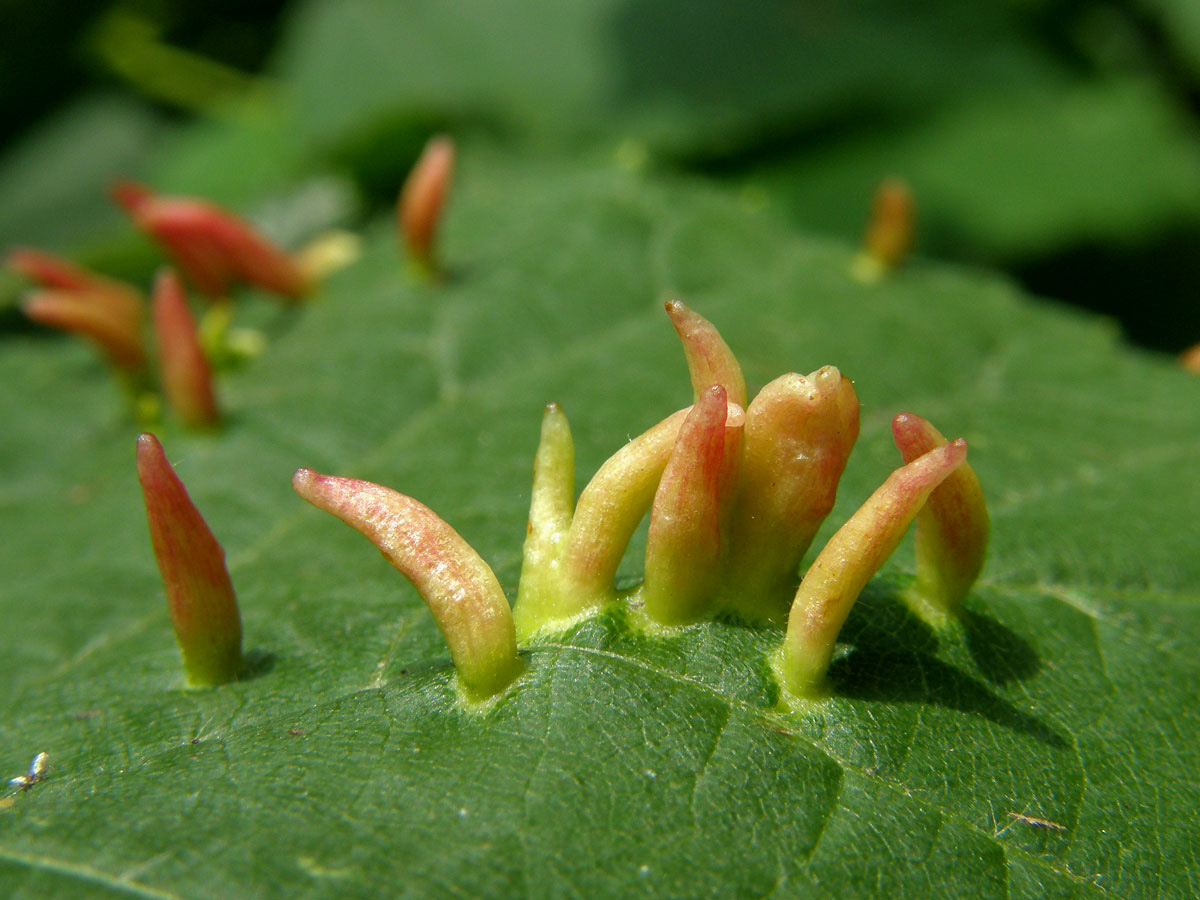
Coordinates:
[15,322]
[893,662]
[256,663]
[880,618]
[713,56]
[1105,276]
[789,76]
[1001,654]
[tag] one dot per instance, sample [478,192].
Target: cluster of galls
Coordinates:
[215,251]
[735,490]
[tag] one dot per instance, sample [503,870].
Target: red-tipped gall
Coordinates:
[709,359]
[952,526]
[419,209]
[460,589]
[685,544]
[854,554]
[186,376]
[200,595]
[55,273]
[214,248]
[890,231]
[110,320]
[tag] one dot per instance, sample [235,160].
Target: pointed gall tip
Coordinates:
[914,435]
[322,491]
[952,526]
[302,480]
[683,545]
[556,448]
[109,320]
[709,359]
[551,506]
[53,272]
[186,376]
[936,463]
[459,588]
[852,556]
[214,247]
[419,209]
[827,379]
[44,269]
[890,231]
[200,596]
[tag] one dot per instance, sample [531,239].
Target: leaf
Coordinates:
[1020,158]
[1010,176]
[53,183]
[684,78]
[1177,24]
[621,764]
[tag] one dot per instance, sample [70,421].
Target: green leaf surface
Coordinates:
[53,183]
[620,764]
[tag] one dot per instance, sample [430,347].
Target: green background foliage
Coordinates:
[620,765]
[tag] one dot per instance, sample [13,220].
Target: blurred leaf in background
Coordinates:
[1055,140]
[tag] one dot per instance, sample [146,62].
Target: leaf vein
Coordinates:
[85,873]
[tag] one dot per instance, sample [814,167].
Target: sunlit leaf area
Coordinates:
[1032,285]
